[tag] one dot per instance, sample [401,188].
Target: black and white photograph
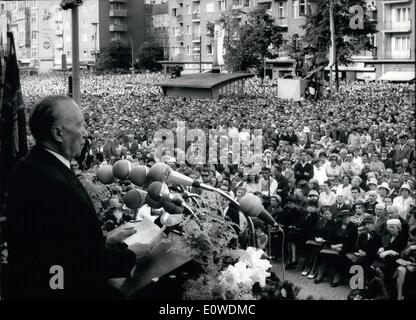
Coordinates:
[224,152]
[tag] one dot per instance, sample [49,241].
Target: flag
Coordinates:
[12,116]
[333,49]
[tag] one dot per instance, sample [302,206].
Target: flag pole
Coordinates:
[333,50]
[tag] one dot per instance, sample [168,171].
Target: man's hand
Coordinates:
[119,234]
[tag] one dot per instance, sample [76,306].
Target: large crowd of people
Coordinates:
[336,173]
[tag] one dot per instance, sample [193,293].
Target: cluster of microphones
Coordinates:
[152,188]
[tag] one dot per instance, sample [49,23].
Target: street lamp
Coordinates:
[131,45]
[52,45]
[95,40]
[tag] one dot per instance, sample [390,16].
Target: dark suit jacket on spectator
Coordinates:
[303,172]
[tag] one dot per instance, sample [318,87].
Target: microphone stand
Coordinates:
[228,197]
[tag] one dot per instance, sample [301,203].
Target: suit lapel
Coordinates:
[73,181]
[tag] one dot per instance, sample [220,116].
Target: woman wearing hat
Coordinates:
[341,241]
[383,191]
[403,201]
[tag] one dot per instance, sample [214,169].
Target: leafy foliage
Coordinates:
[348,41]
[116,56]
[247,46]
[149,54]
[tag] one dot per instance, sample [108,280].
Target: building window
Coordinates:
[188,29]
[295,9]
[222,5]
[281,10]
[188,50]
[209,49]
[302,7]
[402,14]
[210,7]
[188,9]
[33,35]
[247,3]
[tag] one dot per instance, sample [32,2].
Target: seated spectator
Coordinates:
[340,242]
[320,234]
[392,244]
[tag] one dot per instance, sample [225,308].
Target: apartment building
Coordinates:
[157,24]
[42,30]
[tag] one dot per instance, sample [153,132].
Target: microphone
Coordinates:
[159,191]
[163,173]
[105,174]
[251,206]
[134,199]
[138,175]
[121,169]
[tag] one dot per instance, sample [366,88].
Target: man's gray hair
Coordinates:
[44,115]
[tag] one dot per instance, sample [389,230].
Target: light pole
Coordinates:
[52,45]
[95,44]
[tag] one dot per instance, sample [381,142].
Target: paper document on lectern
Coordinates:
[147,233]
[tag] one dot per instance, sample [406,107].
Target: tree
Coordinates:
[349,41]
[149,55]
[247,46]
[116,56]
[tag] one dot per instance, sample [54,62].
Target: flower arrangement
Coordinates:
[228,272]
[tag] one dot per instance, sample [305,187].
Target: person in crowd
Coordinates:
[402,202]
[341,241]
[327,197]
[393,242]
[303,169]
[320,233]
[405,275]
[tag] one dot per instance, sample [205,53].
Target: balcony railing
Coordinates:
[196,38]
[397,26]
[117,28]
[404,54]
[118,13]
[179,38]
[118,1]
[179,18]
[196,16]
[282,22]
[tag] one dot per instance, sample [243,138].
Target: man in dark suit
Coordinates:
[303,169]
[131,144]
[283,187]
[56,246]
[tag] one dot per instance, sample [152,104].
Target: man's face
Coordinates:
[304,156]
[73,131]
[354,194]
[340,199]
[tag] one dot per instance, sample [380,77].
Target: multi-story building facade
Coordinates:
[396,39]
[157,24]
[190,43]
[42,30]
[394,43]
